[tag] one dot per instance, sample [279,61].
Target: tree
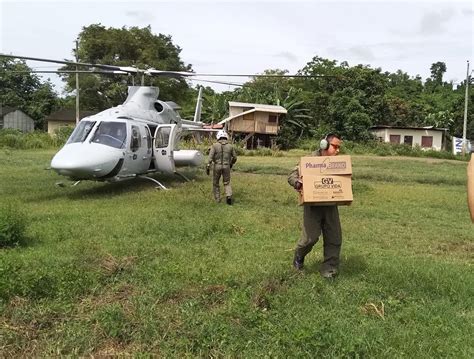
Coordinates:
[133,46]
[22,89]
[438,69]
[348,116]
[215,106]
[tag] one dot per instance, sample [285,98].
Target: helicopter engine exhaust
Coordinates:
[187,158]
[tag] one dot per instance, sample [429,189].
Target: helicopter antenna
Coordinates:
[197,113]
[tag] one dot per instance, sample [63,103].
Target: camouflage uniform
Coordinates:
[223,155]
[317,219]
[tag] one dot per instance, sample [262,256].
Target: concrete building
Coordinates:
[426,137]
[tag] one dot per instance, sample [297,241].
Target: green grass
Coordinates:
[125,269]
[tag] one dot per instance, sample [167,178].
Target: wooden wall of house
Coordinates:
[257,122]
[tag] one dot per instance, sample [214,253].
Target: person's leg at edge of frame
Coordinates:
[332,239]
[309,236]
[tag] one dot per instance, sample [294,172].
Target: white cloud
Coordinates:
[435,22]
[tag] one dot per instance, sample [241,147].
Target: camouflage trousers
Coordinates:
[218,172]
[325,220]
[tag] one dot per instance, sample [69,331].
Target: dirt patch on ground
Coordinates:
[464,249]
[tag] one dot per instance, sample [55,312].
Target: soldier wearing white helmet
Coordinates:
[223,156]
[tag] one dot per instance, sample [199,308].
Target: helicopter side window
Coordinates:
[158,107]
[136,140]
[113,134]
[162,137]
[81,132]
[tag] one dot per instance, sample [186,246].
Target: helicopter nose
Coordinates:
[85,160]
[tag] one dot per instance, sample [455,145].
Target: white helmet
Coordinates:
[222,134]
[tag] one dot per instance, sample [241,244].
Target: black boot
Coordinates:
[229,200]
[298,262]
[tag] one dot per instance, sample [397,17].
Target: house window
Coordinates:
[426,141]
[272,118]
[408,140]
[394,138]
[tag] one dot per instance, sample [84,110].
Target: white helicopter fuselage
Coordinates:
[122,142]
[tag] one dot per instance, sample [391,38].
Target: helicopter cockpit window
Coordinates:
[162,137]
[136,140]
[113,134]
[81,131]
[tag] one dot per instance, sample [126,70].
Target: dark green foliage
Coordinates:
[12,227]
[348,100]
[126,47]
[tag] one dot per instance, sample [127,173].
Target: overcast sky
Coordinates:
[251,36]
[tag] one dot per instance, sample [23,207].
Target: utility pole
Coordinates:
[77,84]
[464,143]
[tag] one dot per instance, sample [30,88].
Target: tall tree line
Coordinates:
[342,98]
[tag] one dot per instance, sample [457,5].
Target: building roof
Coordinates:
[259,107]
[68,115]
[6,110]
[408,128]
[253,107]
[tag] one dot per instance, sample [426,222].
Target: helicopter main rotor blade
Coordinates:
[257,75]
[177,74]
[216,82]
[127,69]
[155,72]
[73,72]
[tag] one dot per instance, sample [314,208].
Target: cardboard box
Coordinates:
[327,180]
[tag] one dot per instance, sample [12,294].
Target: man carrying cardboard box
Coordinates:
[317,219]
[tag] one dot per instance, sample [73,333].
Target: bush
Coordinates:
[12,140]
[12,227]
[18,140]
[61,135]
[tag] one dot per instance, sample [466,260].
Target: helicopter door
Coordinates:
[164,143]
[138,156]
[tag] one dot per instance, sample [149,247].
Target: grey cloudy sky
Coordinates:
[251,36]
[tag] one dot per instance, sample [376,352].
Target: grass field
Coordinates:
[125,269]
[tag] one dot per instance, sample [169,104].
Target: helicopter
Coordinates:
[131,140]
[135,139]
